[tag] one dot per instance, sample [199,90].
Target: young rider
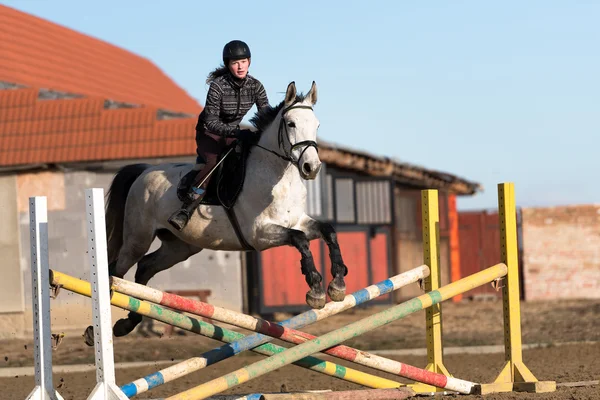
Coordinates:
[231,94]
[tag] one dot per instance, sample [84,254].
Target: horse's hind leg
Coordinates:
[171,252]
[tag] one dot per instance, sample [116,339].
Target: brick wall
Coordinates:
[561,255]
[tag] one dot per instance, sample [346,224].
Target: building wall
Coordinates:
[11,299]
[561,256]
[218,271]
[409,238]
[11,284]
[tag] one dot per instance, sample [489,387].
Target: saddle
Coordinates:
[226,183]
[227,180]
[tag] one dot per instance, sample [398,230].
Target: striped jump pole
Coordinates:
[282,331]
[285,333]
[371,394]
[335,337]
[200,327]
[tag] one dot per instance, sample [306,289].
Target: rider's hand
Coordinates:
[245,135]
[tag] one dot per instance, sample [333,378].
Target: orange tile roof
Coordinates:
[36,131]
[37,52]
[40,56]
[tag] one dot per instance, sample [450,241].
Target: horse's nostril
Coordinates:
[306,168]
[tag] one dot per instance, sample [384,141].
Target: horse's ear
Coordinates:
[290,94]
[312,94]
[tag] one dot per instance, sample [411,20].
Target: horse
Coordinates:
[270,209]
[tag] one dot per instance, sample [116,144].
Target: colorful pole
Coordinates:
[285,333]
[371,394]
[335,337]
[215,332]
[282,331]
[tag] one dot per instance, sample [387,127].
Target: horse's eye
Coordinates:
[291,124]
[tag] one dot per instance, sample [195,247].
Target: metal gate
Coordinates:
[480,247]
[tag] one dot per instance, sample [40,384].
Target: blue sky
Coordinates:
[492,92]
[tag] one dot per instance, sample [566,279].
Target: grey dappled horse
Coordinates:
[270,208]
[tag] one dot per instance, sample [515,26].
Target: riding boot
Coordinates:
[180,218]
[192,198]
[184,185]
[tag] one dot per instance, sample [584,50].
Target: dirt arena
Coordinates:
[568,330]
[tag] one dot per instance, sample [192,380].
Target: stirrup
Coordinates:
[179,219]
[185,184]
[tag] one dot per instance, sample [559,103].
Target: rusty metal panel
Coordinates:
[479,247]
[470,243]
[380,259]
[353,245]
[344,199]
[282,284]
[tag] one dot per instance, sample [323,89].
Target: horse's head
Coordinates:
[298,131]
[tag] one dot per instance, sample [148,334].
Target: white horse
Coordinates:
[270,209]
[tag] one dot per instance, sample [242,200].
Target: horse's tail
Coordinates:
[115,207]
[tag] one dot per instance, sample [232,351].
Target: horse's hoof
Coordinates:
[315,300]
[335,292]
[88,336]
[337,289]
[123,327]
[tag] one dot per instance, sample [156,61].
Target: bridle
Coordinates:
[283,132]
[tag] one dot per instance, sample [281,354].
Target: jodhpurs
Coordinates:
[208,149]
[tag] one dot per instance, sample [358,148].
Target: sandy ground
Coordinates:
[465,324]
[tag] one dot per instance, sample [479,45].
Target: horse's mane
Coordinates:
[263,118]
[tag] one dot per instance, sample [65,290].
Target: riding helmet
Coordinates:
[235,50]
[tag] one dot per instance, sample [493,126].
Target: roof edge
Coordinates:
[402,172]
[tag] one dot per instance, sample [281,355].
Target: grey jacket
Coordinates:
[227,102]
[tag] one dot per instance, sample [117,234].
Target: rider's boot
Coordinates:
[185,183]
[180,218]
[191,196]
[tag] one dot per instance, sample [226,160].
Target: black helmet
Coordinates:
[235,50]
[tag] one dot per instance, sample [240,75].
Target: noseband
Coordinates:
[283,133]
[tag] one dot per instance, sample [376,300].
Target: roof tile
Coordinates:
[40,53]
[75,130]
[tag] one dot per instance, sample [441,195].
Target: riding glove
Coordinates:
[245,135]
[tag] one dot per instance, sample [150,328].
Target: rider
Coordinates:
[231,94]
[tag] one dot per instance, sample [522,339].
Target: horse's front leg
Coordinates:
[337,287]
[278,235]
